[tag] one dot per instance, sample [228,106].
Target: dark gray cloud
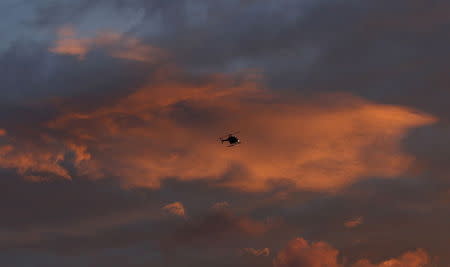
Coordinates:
[398,215]
[30,73]
[389,52]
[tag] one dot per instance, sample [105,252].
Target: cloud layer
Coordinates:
[167,129]
[300,253]
[116,44]
[110,113]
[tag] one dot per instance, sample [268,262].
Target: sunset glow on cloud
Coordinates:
[418,258]
[300,252]
[116,44]
[119,121]
[143,137]
[175,208]
[352,223]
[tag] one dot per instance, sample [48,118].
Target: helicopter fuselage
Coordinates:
[232,140]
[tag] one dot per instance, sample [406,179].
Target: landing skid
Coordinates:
[233,145]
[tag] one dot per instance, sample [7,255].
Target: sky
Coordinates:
[110,111]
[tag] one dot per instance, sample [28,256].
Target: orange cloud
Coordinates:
[33,165]
[299,253]
[80,152]
[71,46]
[2,132]
[67,43]
[167,129]
[352,223]
[175,208]
[418,258]
[116,44]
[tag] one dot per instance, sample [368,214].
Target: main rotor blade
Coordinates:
[227,135]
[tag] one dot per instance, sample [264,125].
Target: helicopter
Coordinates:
[231,138]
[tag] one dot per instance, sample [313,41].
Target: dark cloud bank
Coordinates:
[383,52]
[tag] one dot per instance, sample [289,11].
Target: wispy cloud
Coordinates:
[256,252]
[354,222]
[117,45]
[175,208]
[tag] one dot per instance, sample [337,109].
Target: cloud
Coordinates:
[257,252]
[33,165]
[379,51]
[417,258]
[175,208]
[2,132]
[68,44]
[220,206]
[146,136]
[216,227]
[167,129]
[52,216]
[352,223]
[117,45]
[300,253]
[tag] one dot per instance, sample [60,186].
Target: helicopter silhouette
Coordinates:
[230,138]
